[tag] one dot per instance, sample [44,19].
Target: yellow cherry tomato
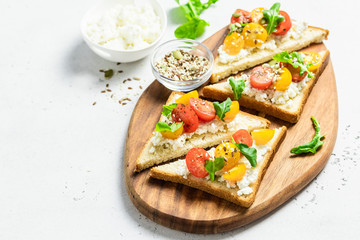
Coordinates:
[314,58]
[236,173]
[262,136]
[234,110]
[233,43]
[284,80]
[173,135]
[257,14]
[254,35]
[230,153]
[186,97]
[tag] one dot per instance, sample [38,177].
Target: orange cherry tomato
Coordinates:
[261,77]
[284,80]
[314,58]
[262,136]
[173,135]
[257,14]
[254,35]
[186,97]
[230,153]
[233,43]
[234,110]
[235,174]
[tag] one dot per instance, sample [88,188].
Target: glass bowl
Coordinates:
[194,47]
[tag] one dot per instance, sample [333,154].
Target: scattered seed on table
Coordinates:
[103,91]
[109,90]
[136,78]
[120,71]
[118,63]
[107,85]
[140,87]
[101,70]
[94,103]
[124,103]
[130,88]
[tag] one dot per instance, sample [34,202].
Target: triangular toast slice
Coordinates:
[257,56]
[158,150]
[240,194]
[289,111]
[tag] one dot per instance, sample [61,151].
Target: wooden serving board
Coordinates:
[186,209]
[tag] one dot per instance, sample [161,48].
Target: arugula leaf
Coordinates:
[168,108]
[195,26]
[273,18]
[191,29]
[237,86]
[213,166]
[222,108]
[163,126]
[296,60]
[314,144]
[249,152]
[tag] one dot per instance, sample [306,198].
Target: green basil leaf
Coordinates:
[213,166]
[163,126]
[168,108]
[273,18]
[237,87]
[314,144]
[222,108]
[296,60]
[191,29]
[249,152]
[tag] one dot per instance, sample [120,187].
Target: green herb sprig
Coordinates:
[222,108]
[296,60]
[249,152]
[237,87]
[195,26]
[314,144]
[272,18]
[213,166]
[168,108]
[163,126]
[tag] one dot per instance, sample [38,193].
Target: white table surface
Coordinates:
[61,156]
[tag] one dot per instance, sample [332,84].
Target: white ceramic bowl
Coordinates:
[121,55]
[196,48]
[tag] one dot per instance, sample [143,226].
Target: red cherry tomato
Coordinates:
[243,18]
[283,26]
[295,73]
[243,136]
[204,109]
[261,77]
[195,162]
[184,113]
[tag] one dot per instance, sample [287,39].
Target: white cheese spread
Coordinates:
[125,27]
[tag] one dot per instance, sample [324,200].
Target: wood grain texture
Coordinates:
[186,209]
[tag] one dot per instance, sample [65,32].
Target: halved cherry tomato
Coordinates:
[184,113]
[284,80]
[262,136]
[233,43]
[173,135]
[295,73]
[234,110]
[195,162]
[257,14]
[185,98]
[314,58]
[254,35]
[230,153]
[204,109]
[243,136]
[285,25]
[243,16]
[236,173]
[261,77]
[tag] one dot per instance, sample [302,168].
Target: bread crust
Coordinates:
[219,189]
[212,92]
[235,67]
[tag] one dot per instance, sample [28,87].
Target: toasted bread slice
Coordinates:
[289,112]
[154,153]
[309,36]
[174,172]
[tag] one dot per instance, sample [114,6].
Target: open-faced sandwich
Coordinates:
[188,121]
[255,37]
[279,88]
[232,170]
